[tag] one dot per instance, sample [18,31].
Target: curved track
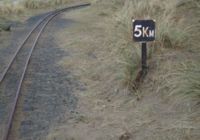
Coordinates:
[28,45]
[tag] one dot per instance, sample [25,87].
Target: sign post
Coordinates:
[144,31]
[144,58]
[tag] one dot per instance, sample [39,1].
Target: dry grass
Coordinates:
[35,4]
[187,82]
[21,10]
[175,28]
[191,81]
[8,8]
[102,56]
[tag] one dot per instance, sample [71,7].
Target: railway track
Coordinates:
[21,58]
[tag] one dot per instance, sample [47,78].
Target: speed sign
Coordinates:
[143,30]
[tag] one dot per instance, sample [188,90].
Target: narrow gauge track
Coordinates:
[29,44]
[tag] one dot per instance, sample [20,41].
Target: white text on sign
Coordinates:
[143,30]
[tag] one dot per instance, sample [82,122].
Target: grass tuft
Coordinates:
[190,81]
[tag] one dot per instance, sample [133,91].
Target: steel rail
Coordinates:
[2,76]
[14,106]
[20,46]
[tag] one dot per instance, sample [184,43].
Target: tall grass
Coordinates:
[174,29]
[190,81]
[7,7]
[35,4]
[184,82]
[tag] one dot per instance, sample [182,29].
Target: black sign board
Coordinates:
[143,30]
